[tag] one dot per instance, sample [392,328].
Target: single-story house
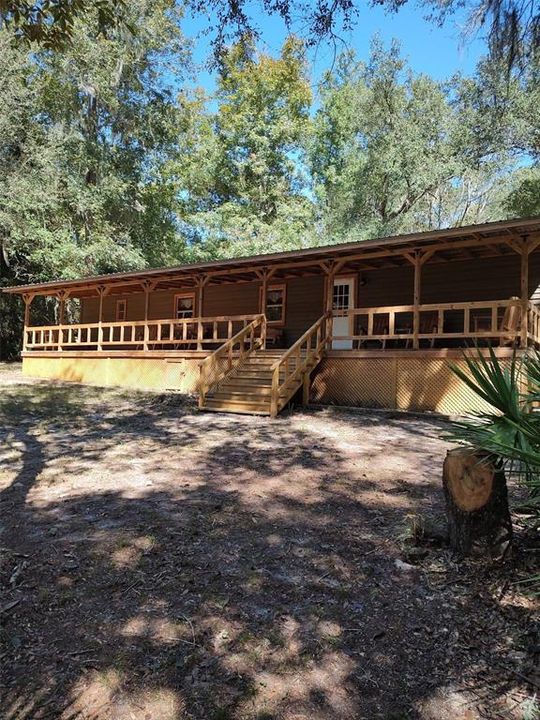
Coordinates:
[370,323]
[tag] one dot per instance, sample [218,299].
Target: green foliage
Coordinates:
[241,175]
[512,432]
[51,23]
[84,137]
[83,134]
[394,152]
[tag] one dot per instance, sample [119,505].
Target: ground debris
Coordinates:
[157,562]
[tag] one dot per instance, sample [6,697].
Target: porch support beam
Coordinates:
[264,276]
[62,295]
[148,286]
[524,247]
[524,296]
[417,260]
[264,291]
[331,270]
[102,290]
[202,282]
[27,299]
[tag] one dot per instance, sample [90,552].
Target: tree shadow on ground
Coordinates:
[245,569]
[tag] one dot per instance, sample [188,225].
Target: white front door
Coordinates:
[343,299]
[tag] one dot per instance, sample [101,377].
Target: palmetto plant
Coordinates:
[511,433]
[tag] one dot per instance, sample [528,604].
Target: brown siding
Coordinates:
[305,305]
[390,286]
[89,310]
[470,280]
[239,299]
[495,278]
[487,279]
[161,304]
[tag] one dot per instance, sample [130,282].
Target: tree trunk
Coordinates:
[476,503]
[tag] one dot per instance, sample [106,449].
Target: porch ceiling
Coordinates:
[475,241]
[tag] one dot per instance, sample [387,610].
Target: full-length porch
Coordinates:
[434,325]
[316,311]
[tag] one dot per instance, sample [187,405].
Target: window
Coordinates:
[275,304]
[121,310]
[184,305]
[341,296]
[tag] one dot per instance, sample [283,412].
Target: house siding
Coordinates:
[463,281]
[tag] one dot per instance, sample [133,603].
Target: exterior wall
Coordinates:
[233,299]
[143,373]
[304,305]
[160,305]
[496,278]
[407,381]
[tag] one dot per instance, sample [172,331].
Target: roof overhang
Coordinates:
[461,243]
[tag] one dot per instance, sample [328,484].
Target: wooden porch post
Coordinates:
[202,282]
[62,297]
[101,291]
[416,301]
[524,294]
[331,270]
[418,259]
[27,298]
[524,247]
[148,286]
[264,291]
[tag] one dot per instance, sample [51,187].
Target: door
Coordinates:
[343,299]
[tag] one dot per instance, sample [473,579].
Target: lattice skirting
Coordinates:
[396,383]
[180,374]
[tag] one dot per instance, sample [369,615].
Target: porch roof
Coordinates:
[481,240]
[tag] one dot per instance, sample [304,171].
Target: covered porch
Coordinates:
[437,290]
[502,323]
[370,324]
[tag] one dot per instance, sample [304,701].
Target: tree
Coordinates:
[51,23]
[512,27]
[84,137]
[241,183]
[390,152]
[99,122]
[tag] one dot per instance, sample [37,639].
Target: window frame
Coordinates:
[283,288]
[121,303]
[178,296]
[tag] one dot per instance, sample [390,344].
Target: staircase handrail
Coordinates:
[209,367]
[321,331]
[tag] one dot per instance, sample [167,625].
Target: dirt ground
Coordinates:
[158,563]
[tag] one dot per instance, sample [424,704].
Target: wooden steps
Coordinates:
[248,382]
[248,388]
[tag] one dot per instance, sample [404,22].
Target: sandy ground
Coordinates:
[161,563]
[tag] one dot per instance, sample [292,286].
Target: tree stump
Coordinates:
[479,520]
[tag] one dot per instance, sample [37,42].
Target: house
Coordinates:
[370,323]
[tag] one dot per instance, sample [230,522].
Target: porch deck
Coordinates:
[442,325]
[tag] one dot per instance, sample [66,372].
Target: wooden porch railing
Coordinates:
[232,353]
[146,334]
[533,324]
[495,320]
[296,363]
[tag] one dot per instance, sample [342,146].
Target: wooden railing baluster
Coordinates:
[302,365]
[210,371]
